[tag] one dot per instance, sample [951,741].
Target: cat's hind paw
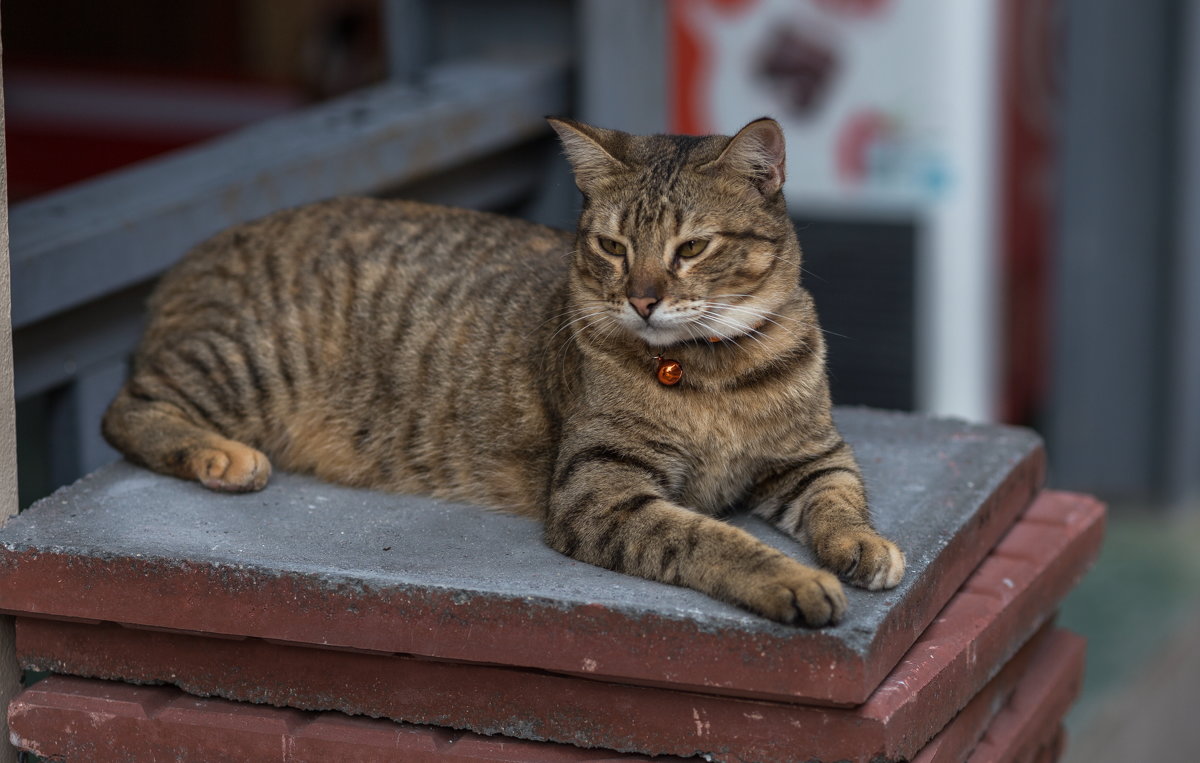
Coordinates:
[233,468]
[863,558]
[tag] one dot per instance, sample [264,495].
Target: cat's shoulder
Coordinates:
[341,215]
[367,210]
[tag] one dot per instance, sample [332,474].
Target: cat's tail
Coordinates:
[163,435]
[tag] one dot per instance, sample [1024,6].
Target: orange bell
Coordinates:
[669,371]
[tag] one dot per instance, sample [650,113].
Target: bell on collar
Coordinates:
[669,371]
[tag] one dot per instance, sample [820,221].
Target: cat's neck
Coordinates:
[714,365]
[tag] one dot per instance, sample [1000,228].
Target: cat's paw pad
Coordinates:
[801,595]
[234,469]
[863,558]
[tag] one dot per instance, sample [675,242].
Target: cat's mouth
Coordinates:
[709,321]
[681,328]
[663,327]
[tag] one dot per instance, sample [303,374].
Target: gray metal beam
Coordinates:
[53,352]
[407,40]
[488,184]
[1183,435]
[624,53]
[74,422]
[1105,419]
[100,236]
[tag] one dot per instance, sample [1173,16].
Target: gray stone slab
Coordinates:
[943,490]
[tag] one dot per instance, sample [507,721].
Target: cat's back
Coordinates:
[298,252]
[352,272]
[347,336]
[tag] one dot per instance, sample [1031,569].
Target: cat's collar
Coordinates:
[670,371]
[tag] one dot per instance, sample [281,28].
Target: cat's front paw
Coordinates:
[797,594]
[863,558]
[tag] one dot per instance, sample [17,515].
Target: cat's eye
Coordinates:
[615,248]
[692,248]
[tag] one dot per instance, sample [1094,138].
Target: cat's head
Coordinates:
[682,238]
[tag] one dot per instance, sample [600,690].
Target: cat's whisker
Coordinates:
[707,310]
[697,331]
[613,327]
[764,316]
[711,330]
[570,323]
[559,360]
[589,304]
[751,331]
[765,313]
[758,310]
[576,330]
[743,331]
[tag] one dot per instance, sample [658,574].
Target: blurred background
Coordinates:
[999,202]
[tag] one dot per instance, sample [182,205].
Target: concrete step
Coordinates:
[1008,598]
[305,562]
[77,719]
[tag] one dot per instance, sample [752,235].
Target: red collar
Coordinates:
[670,371]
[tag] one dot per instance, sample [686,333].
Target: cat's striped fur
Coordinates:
[417,348]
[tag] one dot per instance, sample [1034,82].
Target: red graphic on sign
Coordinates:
[858,9]
[690,66]
[860,133]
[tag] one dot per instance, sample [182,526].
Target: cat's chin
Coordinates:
[663,336]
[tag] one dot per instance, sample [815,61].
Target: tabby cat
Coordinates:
[416,348]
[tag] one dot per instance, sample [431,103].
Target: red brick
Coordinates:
[999,723]
[1029,728]
[79,719]
[1002,605]
[86,719]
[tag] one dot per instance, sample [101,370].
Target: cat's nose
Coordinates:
[643,305]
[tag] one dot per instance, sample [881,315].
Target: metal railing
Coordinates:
[84,258]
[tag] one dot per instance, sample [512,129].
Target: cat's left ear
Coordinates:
[589,150]
[757,152]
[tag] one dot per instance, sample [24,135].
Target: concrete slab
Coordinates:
[308,562]
[84,719]
[1013,592]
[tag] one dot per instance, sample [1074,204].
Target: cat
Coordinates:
[625,384]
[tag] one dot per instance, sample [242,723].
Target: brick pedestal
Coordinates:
[89,720]
[315,597]
[1012,593]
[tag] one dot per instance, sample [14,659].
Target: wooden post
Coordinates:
[10,676]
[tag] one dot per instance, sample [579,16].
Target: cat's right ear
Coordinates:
[589,150]
[756,153]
